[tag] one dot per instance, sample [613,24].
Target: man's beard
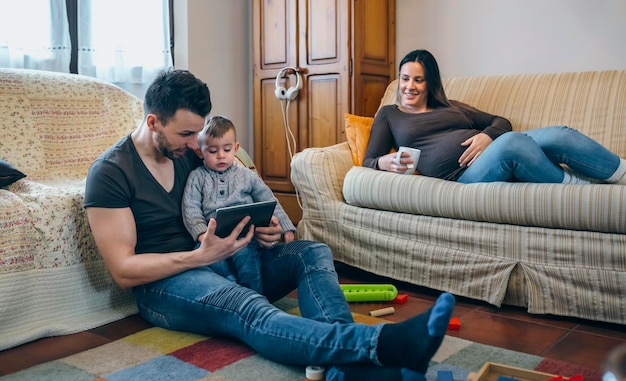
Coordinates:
[163,146]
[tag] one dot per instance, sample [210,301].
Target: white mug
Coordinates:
[415,155]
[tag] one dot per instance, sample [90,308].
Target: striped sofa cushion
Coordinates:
[599,208]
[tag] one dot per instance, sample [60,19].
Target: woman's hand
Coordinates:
[269,236]
[475,147]
[388,162]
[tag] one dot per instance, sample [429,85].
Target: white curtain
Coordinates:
[34,34]
[126,42]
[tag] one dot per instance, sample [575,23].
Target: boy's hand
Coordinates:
[289,236]
[269,236]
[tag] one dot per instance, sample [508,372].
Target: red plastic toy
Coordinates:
[400,299]
[455,324]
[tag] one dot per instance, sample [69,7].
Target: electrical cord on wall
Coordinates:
[292,147]
[289,137]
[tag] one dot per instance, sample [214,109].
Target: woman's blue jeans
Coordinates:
[203,301]
[535,156]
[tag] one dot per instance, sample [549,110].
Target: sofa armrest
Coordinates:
[318,174]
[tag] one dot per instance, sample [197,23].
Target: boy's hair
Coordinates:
[215,127]
[175,89]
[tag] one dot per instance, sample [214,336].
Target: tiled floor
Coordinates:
[573,340]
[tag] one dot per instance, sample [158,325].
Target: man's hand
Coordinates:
[269,236]
[475,147]
[214,249]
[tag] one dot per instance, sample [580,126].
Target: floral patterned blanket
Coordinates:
[52,279]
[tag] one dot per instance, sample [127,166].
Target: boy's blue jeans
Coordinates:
[534,156]
[246,266]
[205,302]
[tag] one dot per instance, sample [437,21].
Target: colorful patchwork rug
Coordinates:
[156,354]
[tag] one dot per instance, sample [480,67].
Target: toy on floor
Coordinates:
[369,292]
[314,373]
[400,299]
[444,375]
[455,324]
[578,377]
[505,378]
[382,312]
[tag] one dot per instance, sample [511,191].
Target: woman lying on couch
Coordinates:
[461,143]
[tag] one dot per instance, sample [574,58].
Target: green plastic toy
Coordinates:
[369,292]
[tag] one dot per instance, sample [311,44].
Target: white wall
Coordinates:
[481,37]
[212,40]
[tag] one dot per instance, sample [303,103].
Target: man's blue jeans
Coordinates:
[534,156]
[205,302]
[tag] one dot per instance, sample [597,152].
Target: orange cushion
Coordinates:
[358,135]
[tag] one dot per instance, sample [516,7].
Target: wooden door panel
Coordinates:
[323,28]
[326,59]
[375,42]
[273,138]
[273,143]
[373,33]
[275,36]
[325,120]
[373,88]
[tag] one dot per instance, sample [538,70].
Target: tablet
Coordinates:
[228,217]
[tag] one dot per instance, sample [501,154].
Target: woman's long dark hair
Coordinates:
[436,94]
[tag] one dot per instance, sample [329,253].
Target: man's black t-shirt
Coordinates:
[119,179]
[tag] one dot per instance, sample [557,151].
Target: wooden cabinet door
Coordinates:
[321,40]
[312,37]
[275,40]
[324,53]
[374,50]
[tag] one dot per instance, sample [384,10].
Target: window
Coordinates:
[126,42]
[34,39]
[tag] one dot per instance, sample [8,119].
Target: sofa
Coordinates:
[557,249]
[52,278]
